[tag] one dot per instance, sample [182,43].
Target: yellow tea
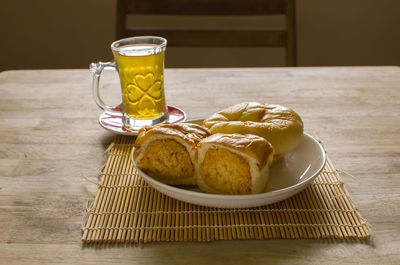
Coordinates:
[141,71]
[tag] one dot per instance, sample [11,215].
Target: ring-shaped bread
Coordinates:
[280,125]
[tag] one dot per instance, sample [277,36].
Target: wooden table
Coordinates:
[49,137]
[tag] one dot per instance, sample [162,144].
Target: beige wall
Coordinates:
[71,34]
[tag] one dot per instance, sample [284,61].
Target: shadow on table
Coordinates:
[108,245]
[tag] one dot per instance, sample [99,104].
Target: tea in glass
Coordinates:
[140,64]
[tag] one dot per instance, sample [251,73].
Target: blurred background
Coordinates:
[46,34]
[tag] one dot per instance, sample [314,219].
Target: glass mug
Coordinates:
[140,65]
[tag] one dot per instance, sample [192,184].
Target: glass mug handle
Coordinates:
[97,69]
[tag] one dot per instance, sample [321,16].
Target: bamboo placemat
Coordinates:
[127,209]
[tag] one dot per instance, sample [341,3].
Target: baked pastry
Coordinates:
[166,152]
[280,125]
[233,163]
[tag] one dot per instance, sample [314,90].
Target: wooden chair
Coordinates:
[258,37]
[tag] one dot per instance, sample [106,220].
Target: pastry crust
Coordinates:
[233,164]
[166,152]
[280,125]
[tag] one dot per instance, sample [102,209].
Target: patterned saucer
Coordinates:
[113,121]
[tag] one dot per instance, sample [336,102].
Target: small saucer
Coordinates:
[113,121]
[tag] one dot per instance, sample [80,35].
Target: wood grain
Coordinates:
[49,136]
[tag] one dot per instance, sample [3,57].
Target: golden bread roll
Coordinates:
[166,152]
[280,125]
[233,164]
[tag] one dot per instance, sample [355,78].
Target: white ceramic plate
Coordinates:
[288,177]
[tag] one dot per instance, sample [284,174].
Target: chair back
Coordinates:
[216,37]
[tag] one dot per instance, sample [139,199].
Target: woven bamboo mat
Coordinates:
[127,209]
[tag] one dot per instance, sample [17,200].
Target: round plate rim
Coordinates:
[135,133]
[208,196]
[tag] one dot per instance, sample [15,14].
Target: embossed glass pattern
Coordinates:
[140,64]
